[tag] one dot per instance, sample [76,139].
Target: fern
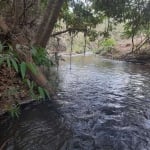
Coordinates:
[32,68]
[23,69]
[14,111]
[15,65]
[41,92]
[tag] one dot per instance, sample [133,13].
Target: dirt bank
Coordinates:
[12,89]
[123,51]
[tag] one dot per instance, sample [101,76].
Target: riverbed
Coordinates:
[102,104]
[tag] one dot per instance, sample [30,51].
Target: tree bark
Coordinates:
[49,20]
[69,30]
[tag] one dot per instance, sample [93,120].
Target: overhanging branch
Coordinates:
[69,30]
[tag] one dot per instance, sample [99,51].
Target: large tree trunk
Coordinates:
[48,22]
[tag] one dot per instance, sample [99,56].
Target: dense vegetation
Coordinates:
[27,25]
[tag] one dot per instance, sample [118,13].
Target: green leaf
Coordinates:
[8,62]
[32,68]
[46,92]
[28,83]
[41,92]
[15,65]
[32,85]
[14,111]
[16,59]
[23,69]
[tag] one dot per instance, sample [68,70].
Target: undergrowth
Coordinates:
[10,59]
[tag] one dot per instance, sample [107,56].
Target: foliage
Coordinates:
[106,46]
[135,14]
[23,69]
[40,57]
[108,43]
[31,86]
[36,92]
[80,17]
[92,34]
[14,110]
[10,60]
[41,92]
[86,14]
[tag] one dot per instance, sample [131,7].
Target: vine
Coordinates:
[71,47]
[85,42]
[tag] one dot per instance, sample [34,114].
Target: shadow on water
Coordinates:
[103,105]
[39,127]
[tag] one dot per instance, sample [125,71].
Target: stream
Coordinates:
[102,105]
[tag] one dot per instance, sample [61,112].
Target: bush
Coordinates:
[108,43]
[106,46]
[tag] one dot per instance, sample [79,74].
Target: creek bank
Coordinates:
[67,54]
[123,51]
[7,122]
[117,55]
[25,104]
[132,58]
[14,91]
[22,104]
[125,54]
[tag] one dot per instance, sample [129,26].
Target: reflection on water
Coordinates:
[103,105]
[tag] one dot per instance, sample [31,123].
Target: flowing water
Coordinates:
[102,105]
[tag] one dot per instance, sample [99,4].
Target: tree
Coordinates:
[134,14]
[17,29]
[50,18]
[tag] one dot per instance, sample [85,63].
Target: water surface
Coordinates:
[103,105]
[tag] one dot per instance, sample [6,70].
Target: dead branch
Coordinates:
[138,47]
